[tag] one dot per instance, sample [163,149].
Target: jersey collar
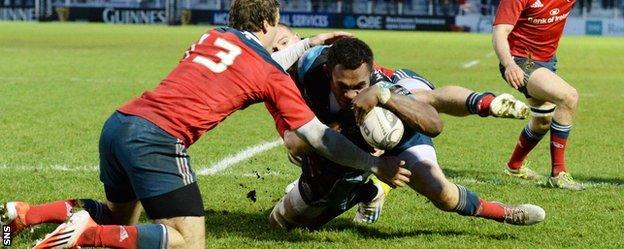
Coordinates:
[252,36]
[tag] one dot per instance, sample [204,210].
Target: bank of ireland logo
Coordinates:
[349,22]
[554,11]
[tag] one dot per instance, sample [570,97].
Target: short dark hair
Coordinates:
[248,15]
[350,53]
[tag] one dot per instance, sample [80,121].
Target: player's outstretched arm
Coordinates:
[416,114]
[513,73]
[289,56]
[339,149]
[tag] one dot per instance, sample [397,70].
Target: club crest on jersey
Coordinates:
[537,4]
[554,11]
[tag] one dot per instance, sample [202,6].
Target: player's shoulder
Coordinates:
[250,41]
[312,59]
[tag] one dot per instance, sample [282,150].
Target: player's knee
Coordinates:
[570,99]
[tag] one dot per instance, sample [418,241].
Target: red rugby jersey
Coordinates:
[538,25]
[226,70]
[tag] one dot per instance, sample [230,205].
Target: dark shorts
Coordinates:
[529,66]
[138,160]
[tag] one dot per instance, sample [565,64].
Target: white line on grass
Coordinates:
[471,64]
[234,159]
[264,147]
[49,168]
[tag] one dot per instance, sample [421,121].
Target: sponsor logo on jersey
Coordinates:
[537,4]
[123,234]
[554,11]
[549,20]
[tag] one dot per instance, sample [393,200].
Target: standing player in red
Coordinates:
[525,37]
[143,156]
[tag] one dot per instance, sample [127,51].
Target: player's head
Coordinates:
[258,16]
[285,37]
[349,65]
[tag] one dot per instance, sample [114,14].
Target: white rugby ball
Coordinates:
[382,129]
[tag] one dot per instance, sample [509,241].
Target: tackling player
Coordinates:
[143,156]
[525,37]
[330,78]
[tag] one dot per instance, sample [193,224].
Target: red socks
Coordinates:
[526,142]
[123,237]
[53,212]
[483,106]
[490,210]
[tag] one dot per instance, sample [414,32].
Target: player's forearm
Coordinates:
[336,147]
[289,56]
[416,114]
[501,45]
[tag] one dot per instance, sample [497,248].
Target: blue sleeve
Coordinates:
[307,60]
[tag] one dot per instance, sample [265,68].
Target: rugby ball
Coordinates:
[382,129]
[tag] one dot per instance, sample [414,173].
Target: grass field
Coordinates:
[59,82]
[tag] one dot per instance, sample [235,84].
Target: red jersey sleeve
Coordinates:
[385,70]
[509,11]
[285,103]
[280,123]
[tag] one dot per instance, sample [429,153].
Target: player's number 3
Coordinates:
[227,55]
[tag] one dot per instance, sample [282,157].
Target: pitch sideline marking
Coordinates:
[471,64]
[240,156]
[456,179]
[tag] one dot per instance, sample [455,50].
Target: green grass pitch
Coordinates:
[59,82]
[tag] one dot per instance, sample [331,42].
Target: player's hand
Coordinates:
[328,38]
[364,103]
[391,171]
[377,152]
[514,75]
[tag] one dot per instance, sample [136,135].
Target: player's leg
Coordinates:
[530,136]
[459,101]
[429,180]
[152,166]
[293,212]
[324,191]
[369,210]
[20,215]
[545,85]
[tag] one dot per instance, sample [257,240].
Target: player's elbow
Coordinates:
[435,127]
[431,127]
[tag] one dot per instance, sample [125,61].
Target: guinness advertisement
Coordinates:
[220,18]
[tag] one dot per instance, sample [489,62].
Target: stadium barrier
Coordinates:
[333,20]
[172,14]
